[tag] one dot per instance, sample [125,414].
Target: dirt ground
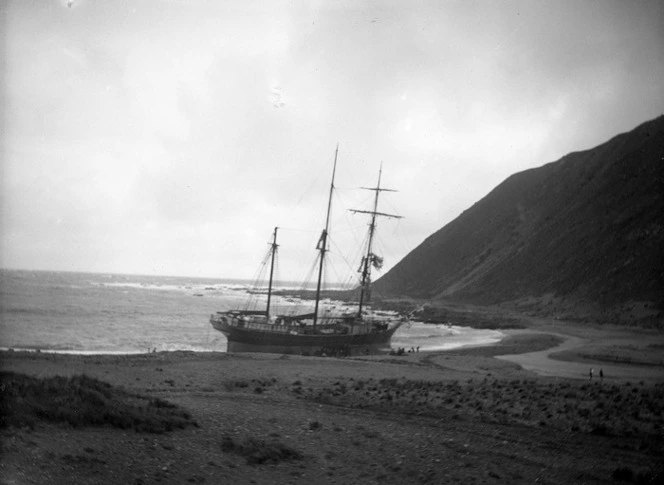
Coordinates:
[521,411]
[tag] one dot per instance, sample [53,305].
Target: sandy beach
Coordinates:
[523,410]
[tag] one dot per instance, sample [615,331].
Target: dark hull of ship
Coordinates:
[249,340]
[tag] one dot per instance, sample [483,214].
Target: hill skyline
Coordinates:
[584,231]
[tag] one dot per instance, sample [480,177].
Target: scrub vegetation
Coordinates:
[81,401]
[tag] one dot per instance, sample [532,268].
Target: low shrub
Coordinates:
[257,451]
[81,401]
[624,474]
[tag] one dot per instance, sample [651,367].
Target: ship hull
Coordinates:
[284,342]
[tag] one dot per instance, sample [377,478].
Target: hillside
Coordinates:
[584,231]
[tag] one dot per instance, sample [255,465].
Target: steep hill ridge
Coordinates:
[586,228]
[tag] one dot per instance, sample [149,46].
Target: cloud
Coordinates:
[276,97]
[172,136]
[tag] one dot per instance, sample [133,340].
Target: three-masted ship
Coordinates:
[347,332]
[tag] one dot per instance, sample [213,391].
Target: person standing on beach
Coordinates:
[601,375]
[591,373]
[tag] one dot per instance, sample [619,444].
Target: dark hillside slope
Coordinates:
[589,227]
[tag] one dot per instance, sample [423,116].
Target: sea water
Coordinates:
[111,313]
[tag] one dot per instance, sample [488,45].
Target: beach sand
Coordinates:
[520,411]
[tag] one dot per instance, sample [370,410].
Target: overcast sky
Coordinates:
[170,137]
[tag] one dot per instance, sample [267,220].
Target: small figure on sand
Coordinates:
[601,375]
[591,373]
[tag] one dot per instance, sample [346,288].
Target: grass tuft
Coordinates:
[258,452]
[81,401]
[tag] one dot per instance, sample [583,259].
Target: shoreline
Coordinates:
[398,340]
[544,348]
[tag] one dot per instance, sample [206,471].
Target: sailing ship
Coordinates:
[320,332]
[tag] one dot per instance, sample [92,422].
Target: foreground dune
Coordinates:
[521,411]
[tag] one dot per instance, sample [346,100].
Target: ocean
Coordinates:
[91,313]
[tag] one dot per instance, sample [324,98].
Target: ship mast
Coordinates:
[273,251]
[322,242]
[371,259]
